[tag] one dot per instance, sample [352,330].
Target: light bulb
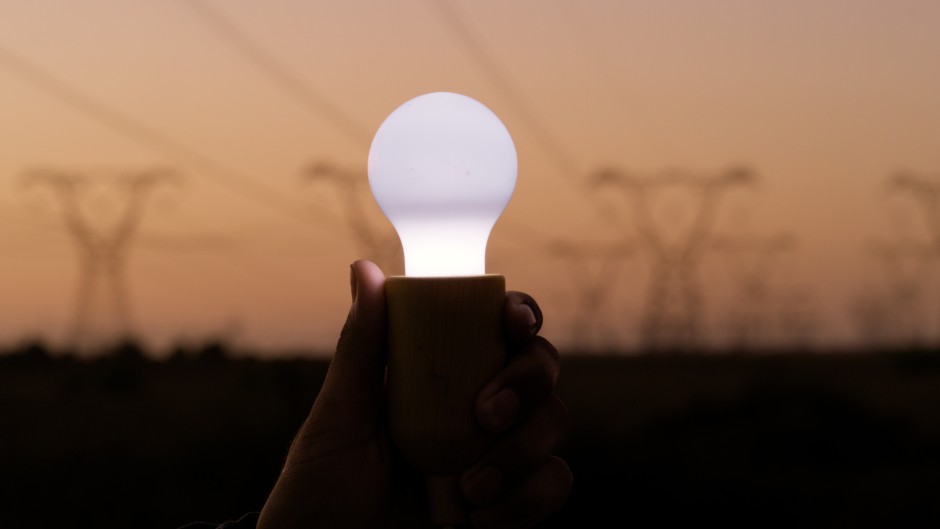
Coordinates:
[442,168]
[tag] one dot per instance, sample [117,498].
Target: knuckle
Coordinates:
[532,377]
[543,345]
[543,373]
[538,385]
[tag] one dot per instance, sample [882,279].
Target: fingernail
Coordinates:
[537,314]
[353,282]
[530,318]
[503,408]
[481,485]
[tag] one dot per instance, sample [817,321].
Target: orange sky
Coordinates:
[823,99]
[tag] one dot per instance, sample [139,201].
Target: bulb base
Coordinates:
[445,342]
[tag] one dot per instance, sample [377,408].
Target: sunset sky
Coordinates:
[823,100]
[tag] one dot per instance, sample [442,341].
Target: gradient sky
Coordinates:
[823,99]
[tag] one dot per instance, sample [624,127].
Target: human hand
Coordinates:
[342,472]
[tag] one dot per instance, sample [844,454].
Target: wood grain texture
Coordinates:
[445,342]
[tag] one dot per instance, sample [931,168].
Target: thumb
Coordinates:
[352,396]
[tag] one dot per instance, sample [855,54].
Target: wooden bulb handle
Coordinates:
[445,342]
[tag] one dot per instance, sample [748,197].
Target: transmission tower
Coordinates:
[925,190]
[374,240]
[674,302]
[756,256]
[905,266]
[102,313]
[594,268]
[906,261]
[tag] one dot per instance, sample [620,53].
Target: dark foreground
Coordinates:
[656,441]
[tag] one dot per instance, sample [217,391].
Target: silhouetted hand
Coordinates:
[342,472]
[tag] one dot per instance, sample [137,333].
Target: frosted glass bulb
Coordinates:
[442,168]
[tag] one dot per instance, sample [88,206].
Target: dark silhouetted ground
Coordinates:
[834,440]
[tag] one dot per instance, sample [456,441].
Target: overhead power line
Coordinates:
[153,139]
[268,64]
[254,53]
[572,13]
[447,14]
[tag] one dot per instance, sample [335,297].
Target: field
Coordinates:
[831,440]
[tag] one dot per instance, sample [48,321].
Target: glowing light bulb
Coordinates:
[442,168]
